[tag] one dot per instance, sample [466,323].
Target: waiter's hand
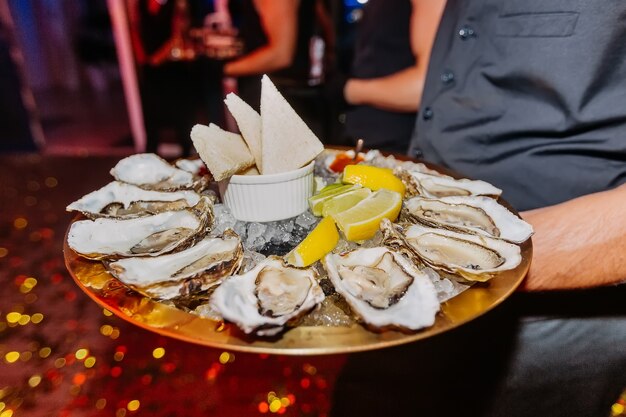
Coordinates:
[580,243]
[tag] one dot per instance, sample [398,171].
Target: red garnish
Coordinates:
[344,159]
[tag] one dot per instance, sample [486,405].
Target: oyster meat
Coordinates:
[473,257]
[264,299]
[195,166]
[436,186]
[207,263]
[151,172]
[383,288]
[142,236]
[118,199]
[473,214]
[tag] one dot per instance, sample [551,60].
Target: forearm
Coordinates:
[279,19]
[262,60]
[399,92]
[402,90]
[579,244]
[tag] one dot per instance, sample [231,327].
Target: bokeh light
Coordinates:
[90,362]
[34,380]
[158,353]
[12,356]
[20,223]
[101,403]
[81,354]
[44,352]
[133,405]
[51,182]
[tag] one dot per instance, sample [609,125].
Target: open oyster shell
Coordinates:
[143,236]
[197,268]
[151,172]
[121,200]
[473,257]
[474,214]
[268,296]
[383,288]
[195,166]
[436,186]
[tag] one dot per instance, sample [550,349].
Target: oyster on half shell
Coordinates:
[472,214]
[195,166]
[142,236]
[197,268]
[436,186]
[121,200]
[383,288]
[151,172]
[264,299]
[473,257]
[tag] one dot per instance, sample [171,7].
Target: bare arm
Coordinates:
[402,90]
[580,243]
[279,19]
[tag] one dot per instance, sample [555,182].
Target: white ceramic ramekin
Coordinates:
[266,198]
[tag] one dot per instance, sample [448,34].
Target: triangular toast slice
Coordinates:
[287,143]
[249,122]
[224,153]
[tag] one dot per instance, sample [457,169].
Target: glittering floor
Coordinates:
[61,355]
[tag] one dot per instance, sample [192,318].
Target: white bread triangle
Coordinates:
[249,122]
[287,143]
[224,153]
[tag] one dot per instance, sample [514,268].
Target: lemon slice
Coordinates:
[361,221]
[330,187]
[316,202]
[322,239]
[344,201]
[374,178]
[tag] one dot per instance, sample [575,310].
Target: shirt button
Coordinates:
[417,153]
[467,32]
[427,114]
[447,77]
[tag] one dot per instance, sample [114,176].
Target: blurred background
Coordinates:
[114,77]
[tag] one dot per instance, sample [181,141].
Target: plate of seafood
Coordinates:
[267,242]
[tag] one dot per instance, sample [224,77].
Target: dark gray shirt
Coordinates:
[529,95]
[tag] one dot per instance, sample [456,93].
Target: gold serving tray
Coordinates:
[144,312]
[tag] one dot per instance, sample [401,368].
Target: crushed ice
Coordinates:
[276,238]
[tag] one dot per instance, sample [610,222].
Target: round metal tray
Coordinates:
[149,314]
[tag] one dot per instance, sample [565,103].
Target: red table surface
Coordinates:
[62,355]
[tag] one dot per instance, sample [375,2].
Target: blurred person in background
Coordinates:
[179,86]
[95,46]
[18,125]
[168,84]
[279,39]
[393,43]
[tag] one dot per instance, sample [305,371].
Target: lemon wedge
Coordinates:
[344,201]
[316,202]
[322,239]
[361,221]
[330,187]
[374,178]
